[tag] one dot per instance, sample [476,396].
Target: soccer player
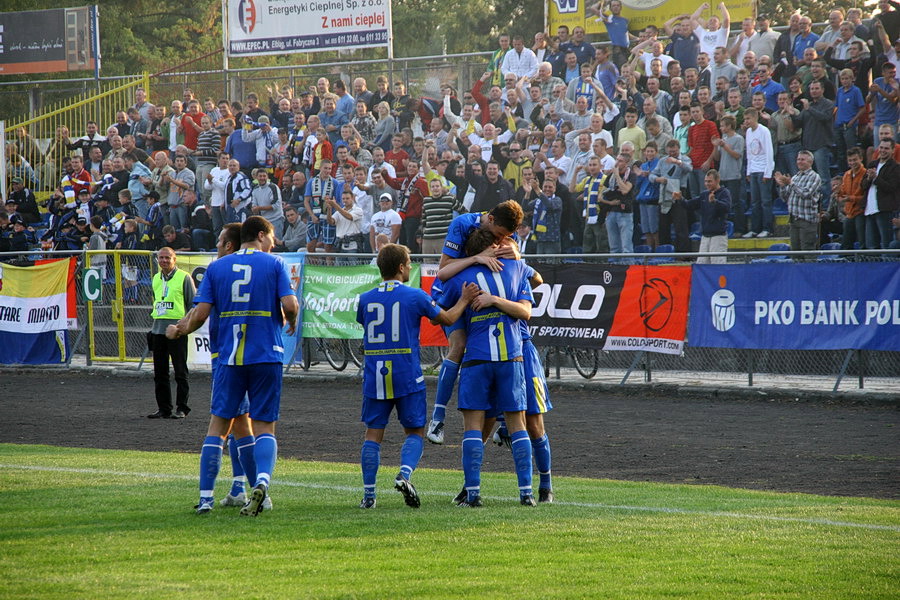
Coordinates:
[229,242]
[501,222]
[250,292]
[390,315]
[492,378]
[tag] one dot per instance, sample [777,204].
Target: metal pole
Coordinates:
[225,38]
[3,162]
[390,48]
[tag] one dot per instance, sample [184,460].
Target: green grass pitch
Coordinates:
[80,523]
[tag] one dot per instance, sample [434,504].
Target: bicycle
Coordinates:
[586,360]
[334,350]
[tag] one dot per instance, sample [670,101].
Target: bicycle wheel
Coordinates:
[306,354]
[586,361]
[432,356]
[335,353]
[545,359]
[355,351]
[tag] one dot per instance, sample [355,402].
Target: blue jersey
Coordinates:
[458,232]
[390,315]
[491,334]
[245,290]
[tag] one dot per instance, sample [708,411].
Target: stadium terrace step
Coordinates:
[755,243]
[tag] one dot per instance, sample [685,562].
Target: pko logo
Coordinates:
[247,15]
[566,6]
[721,305]
[585,304]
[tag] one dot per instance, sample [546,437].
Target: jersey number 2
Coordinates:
[378,309]
[236,295]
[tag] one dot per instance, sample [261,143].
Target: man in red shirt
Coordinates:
[700,144]
[413,191]
[397,157]
[191,124]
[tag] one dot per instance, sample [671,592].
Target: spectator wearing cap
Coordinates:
[264,137]
[386,221]
[23,237]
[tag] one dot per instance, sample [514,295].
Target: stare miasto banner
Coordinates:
[49,41]
[258,27]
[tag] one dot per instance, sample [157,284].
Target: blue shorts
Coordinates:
[244,407]
[493,387]
[260,383]
[321,231]
[537,394]
[410,411]
[649,218]
[455,326]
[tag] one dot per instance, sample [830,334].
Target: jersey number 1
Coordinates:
[378,309]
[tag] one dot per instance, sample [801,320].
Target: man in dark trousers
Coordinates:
[173,297]
[881,196]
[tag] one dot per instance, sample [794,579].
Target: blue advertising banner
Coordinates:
[817,306]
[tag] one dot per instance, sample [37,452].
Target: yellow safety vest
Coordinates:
[168,296]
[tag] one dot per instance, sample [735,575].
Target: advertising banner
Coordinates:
[430,335]
[818,306]
[258,27]
[639,13]
[33,313]
[49,41]
[611,307]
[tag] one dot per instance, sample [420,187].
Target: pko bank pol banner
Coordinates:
[611,307]
[818,306]
[258,27]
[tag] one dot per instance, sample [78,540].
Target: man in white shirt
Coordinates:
[379,165]
[347,220]
[520,61]
[558,159]
[490,138]
[386,221]
[760,164]
[712,32]
[215,184]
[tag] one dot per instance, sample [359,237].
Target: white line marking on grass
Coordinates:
[594,505]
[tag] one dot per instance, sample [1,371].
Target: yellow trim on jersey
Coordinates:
[501,342]
[484,317]
[246,313]
[389,379]
[537,382]
[239,356]
[388,351]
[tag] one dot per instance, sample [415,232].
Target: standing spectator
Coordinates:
[413,189]
[215,184]
[264,138]
[386,221]
[384,128]
[437,213]
[318,190]
[805,38]
[853,199]
[818,131]
[293,236]
[760,164]
[617,29]
[647,195]
[884,95]
[802,192]
[712,32]
[671,173]
[191,123]
[713,205]
[584,52]
[265,200]
[494,65]
[546,210]
[347,220]
[237,193]
[881,187]
[140,179]
[619,199]
[730,151]
[181,181]
[684,44]
[520,61]
[595,240]
[173,296]
[700,137]
[209,143]
[850,108]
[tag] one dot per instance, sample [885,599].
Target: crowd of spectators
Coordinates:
[605,146]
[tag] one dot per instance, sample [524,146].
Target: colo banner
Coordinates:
[639,13]
[33,315]
[611,307]
[817,306]
[331,297]
[49,41]
[258,27]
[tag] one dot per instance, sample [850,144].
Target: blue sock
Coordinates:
[369,460]
[410,454]
[521,451]
[264,452]
[210,461]
[472,457]
[446,382]
[245,447]
[237,471]
[541,447]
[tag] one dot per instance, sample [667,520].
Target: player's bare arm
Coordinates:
[191,322]
[291,309]
[516,310]
[451,316]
